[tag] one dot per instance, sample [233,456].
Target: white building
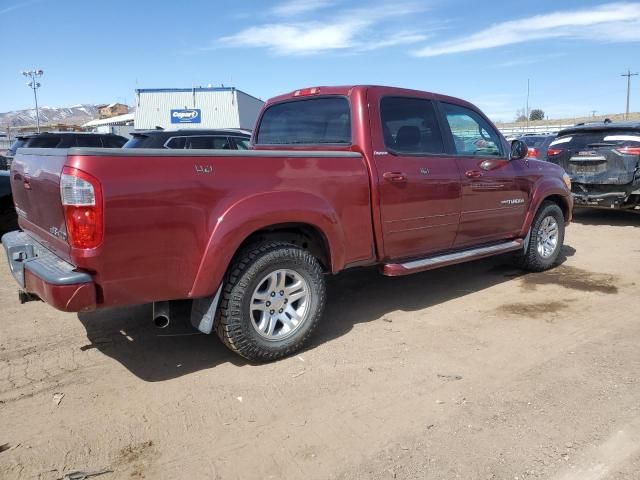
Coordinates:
[119,125]
[199,107]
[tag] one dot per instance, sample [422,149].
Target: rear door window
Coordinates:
[176,143]
[208,142]
[314,121]
[242,143]
[410,126]
[472,134]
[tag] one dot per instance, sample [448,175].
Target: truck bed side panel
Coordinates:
[161,211]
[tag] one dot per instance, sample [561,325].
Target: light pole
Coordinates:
[35,85]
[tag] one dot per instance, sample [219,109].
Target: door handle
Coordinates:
[26,183]
[395,176]
[473,173]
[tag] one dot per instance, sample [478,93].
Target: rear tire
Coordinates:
[273,298]
[545,240]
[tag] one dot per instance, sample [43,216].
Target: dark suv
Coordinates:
[603,161]
[222,139]
[64,140]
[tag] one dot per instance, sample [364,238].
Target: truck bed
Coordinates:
[164,208]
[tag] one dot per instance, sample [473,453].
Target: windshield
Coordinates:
[316,121]
[597,138]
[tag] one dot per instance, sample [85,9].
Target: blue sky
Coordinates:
[573,52]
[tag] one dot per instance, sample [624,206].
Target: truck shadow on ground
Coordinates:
[361,295]
[602,216]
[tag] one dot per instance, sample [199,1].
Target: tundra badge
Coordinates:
[512,201]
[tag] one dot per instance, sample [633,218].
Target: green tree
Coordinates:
[536,114]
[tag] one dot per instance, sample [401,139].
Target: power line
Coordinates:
[628,75]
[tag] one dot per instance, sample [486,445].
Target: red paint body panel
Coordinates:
[68,298]
[170,230]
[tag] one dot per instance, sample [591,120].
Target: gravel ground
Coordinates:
[476,371]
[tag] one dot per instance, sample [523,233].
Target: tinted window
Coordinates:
[315,121]
[598,138]
[176,143]
[43,142]
[208,142]
[88,141]
[472,134]
[113,142]
[242,143]
[141,141]
[409,125]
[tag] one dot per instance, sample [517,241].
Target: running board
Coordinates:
[396,269]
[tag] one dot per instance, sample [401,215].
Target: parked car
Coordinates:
[603,161]
[337,177]
[538,144]
[64,140]
[222,139]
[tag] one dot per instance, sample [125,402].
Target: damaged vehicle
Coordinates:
[603,161]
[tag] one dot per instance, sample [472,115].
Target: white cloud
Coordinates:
[291,8]
[352,28]
[16,6]
[606,23]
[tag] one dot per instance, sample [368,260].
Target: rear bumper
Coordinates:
[40,272]
[609,196]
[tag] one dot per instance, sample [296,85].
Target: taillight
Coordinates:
[306,91]
[628,150]
[83,212]
[551,152]
[532,152]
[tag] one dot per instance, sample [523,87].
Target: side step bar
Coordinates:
[397,269]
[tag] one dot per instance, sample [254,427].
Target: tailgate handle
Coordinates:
[473,173]
[395,176]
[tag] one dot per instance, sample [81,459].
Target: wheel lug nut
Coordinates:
[281,292]
[272,312]
[268,304]
[273,294]
[280,311]
[286,301]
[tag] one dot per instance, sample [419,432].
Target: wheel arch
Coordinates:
[299,218]
[551,190]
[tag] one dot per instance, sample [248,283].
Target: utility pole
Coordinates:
[628,75]
[35,85]
[593,113]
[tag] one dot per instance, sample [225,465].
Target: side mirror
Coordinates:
[519,150]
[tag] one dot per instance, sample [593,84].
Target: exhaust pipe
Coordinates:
[161,314]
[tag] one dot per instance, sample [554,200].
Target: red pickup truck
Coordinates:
[336,177]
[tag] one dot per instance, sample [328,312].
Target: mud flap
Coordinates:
[203,311]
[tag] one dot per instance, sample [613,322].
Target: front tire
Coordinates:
[546,239]
[273,298]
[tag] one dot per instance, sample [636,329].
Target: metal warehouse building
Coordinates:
[198,107]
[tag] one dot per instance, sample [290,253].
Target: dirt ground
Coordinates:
[476,371]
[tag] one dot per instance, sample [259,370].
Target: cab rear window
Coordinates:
[316,121]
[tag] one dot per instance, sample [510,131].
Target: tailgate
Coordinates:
[35,182]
